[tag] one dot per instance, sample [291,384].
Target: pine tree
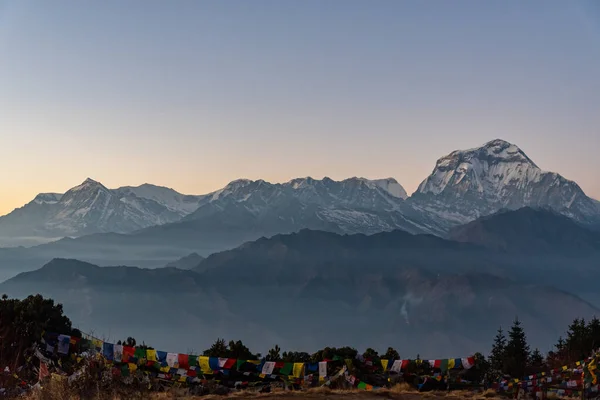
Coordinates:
[274,354]
[593,329]
[576,340]
[517,351]
[536,362]
[218,349]
[498,353]
[240,351]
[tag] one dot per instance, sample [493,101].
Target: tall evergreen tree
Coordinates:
[536,362]
[274,354]
[576,342]
[517,351]
[498,353]
[218,349]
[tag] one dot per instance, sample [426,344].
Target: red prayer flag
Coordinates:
[405,364]
[230,363]
[128,353]
[437,364]
[183,360]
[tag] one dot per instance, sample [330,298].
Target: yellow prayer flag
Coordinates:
[578,363]
[451,363]
[565,367]
[298,370]
[151,355]
[97,343]
[132,367]
[384,364]
[204,364]
[165,369]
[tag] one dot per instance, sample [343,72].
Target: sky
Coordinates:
[194,94]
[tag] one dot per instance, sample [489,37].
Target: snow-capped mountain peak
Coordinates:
[390,185]
[91,207]
[494,176]
[47,198]
[487,170]
[348,204]
[88,184]
[171,199]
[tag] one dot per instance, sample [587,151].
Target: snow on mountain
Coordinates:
[470,183]
[47,198]
[172,200]
[92,208]
[391,186]
[351,205]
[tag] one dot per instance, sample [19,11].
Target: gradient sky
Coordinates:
[194,94]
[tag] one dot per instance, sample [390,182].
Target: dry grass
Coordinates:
[60,391]
[403,387]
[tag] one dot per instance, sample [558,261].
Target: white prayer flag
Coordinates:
[323,369]
[268,368]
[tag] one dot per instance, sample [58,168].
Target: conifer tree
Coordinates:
[218,349]
[498,353]
[517,351]
[536,362]
[274,354]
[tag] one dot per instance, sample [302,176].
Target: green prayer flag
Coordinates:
[444,365]
[239,363]
[125,370]
[140,354]
[193,361]
[287,369]
[362,385]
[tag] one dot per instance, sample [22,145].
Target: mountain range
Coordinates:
[310,289]
[91,208]
[151,226]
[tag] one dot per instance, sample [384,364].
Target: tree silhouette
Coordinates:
[218,349]
[274,354]
[370,353]
[391,354]
[498,353]
[241,352]
[517,351]
[296,357]
[23,322]
[536,362]
[332,353]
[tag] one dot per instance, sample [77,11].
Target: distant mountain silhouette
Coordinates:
[529,230]
[187,262]
[305,300]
